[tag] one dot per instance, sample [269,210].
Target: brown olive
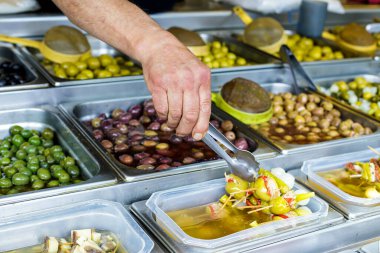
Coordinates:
[324,123]
[162,146]
[241,143]
[230,135]
[150,133]
[126,159]
[136,137]
[145,119]
[148,160]
[120,148]
[302,98]
[107,144]
[140,156]
[149,143]
[138,148]
[227,125]
[134,122]
[175,139]
[98,134]
[198,155]
[166,128]
[117,113]
[176,164]
[165,160]
[155,126]
[318,111]
[188,160]
[215,123]
[313,138]
[95,122]
[122,127]
[125,117]
[165,152]
[162,167]
[145,167]
[121,139]
[113,133]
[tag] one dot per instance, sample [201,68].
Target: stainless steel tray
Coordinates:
[78,112]
[146,218]
[346,113]
[351,212]
[28,230]
[34,79]
[327,82]
[95,174]
[250,53]
[98,47]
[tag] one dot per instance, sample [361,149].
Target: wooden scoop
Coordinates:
[191,40]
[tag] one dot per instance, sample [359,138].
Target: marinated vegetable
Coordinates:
[12,73]
[359,93]
[81,241]
[306,49]
[360,179]
[305,119]
[138,138]
[245,205]
[221,57]
[32,160]
[103,66]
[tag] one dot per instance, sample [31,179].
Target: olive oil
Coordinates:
[212,222]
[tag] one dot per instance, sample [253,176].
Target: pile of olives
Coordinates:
[306,49]
[221,57]
[377,38]
[104,66]
[359,93]
[32,160]
[138,138]
[271,194]
[305,118]
[11,73]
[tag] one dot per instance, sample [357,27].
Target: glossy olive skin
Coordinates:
[32,160]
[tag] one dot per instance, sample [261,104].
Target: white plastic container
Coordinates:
[311,169]
[28,230]
[208,192]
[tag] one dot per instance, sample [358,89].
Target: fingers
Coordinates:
[190,112]
[160,102]
[175,106]
[201,126]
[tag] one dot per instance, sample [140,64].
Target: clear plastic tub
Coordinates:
[312,167]
[200,194]
[27,230]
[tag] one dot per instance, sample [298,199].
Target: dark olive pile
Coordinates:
[11,74]
[138,138]
[31,160]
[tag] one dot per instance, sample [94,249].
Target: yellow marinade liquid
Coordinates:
[207,222]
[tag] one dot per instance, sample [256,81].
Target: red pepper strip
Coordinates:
[283,216]
[350,167]
[377,169]
[212,212]
[265,178]
[289,200]
[230,180]
[248,203]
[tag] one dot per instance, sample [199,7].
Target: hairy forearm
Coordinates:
[117,22]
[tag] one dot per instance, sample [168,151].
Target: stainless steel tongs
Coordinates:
[244,165]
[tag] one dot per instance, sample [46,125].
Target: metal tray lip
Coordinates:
[67,109]
[105,176]
[340,102]
[56,81]
[122,212]
[343,196]
[38,81]
[296,148]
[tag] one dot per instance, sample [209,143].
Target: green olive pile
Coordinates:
[306,49]
[30,160]
[221,57]
[104,66]
[305,119]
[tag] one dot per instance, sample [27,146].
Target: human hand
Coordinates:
[179,83]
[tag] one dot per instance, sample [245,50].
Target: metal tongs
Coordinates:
[244,165]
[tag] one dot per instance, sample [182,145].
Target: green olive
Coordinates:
[20,179]
[279,206]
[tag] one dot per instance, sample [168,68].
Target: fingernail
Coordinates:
[198,136]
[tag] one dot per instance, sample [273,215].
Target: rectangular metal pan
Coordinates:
[34,79]
[94,173]
[346,113]
[78,112]
[145,216]
[252,54]
[327,82]
[31,229]
[98,47]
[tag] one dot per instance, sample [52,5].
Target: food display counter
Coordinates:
[100,165]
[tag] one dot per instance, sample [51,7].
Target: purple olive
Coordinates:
[117,113]
[230,135]
[165,128]
[107,144]
[227,125]
[157,156]
[188,160]
[145,119]
[148,160]
[122,127]
[96,122]
[136,111]
[136,137]
[154,138]
[138,148]
[165,152]
[113,133]
[148,102]
[125,118]
[120,148]
[134,122]
[126,159]
[165,160]
[150,111]
[115,122]
[98,134]
[102,116]
[155,126]
[199,144]
[188,138]
[161,120]
[215,123]
[175,139]
[145,167]
[134,143]
[140,156]
[163,167]
[106,124]
[176,164]
[121,139]
[241,143]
